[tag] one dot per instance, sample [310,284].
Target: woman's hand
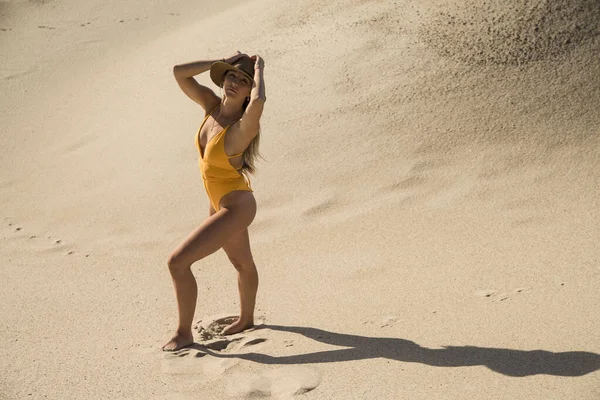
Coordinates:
[259,63]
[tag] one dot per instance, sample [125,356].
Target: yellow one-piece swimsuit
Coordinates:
[219,176]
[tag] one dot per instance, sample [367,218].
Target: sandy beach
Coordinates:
[428,203]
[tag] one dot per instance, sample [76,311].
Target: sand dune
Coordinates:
[518,33]
[428,205]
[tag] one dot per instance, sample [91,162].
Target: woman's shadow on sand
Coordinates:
[517,363]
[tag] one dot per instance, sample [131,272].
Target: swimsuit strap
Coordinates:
[236,155]
[214,109]
[207,115]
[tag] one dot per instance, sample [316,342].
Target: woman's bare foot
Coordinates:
[178,341]
[237,326]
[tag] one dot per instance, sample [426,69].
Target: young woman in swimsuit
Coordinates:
[227,143]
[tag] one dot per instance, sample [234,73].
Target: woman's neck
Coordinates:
[231,109]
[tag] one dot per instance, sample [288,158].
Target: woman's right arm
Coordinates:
[184,75]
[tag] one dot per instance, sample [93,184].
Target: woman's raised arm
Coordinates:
[250,122]
[184,75]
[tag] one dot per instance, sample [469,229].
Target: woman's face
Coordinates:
[236,84]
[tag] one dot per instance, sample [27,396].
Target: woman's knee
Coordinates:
[177,262]
[243,265]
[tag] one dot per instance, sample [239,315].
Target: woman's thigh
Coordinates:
[237,247]
[238,250]
[218,229]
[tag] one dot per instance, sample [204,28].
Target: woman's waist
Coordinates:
[223,178]
[220,168]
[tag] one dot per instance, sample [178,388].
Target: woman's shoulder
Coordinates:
[211,105]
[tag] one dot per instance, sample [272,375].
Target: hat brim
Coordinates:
[218,70]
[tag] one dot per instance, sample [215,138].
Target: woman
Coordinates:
[227,143]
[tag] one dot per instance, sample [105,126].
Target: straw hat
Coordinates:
[244,65]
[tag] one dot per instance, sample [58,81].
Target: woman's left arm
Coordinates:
[250,121]
[258,91]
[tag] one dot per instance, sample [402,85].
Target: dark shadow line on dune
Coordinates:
[516,363]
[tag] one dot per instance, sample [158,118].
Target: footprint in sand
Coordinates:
[383,322]
[279,383]
[201,358]
[486,293]
[500,296]
[194,361]
[53,245]
[389,321]
[212,327]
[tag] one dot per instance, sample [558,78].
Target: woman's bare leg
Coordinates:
[210,236]
[186,291]
[238,252]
